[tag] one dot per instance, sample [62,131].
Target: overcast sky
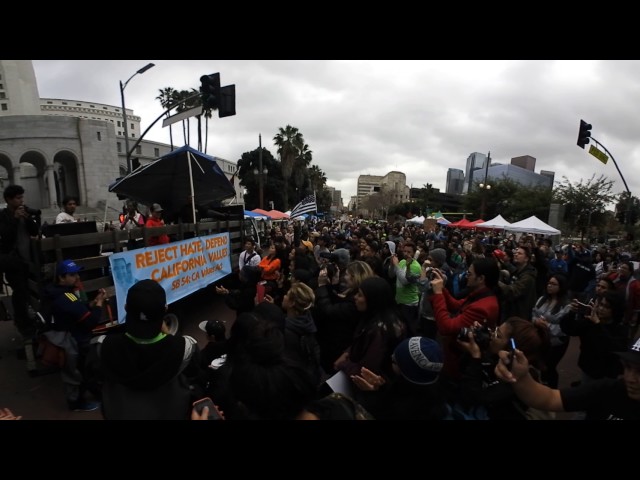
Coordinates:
[370,117]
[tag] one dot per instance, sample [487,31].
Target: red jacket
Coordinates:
[480,306]
[157,239]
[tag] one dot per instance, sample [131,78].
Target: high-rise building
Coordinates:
[18,88]
[525,161]
[367,184]
[455,181]
[475,161]
[336,199]
[518,175]
[550,174]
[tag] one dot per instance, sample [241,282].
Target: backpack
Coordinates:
[310,351]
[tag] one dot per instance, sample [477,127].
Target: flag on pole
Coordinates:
[308,204]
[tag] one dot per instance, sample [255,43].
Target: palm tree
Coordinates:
[301,164]
[184,104]
[317,178]
[289,142]
[207,113]
[166,100]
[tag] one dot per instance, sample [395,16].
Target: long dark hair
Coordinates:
[381,310]
[563,292]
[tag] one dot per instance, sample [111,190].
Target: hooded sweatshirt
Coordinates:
[300,341]
[145,380]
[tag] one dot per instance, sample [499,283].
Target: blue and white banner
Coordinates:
[180,267]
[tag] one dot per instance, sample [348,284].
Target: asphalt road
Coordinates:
[42,397]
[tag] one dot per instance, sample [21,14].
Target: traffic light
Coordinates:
[584,133]
[210,91]
[227,103]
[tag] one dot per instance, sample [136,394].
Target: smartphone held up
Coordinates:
[214,413]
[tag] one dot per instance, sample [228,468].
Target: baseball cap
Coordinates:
[156,207]
[214,328]
[66,267]
[146,307]
[632,354]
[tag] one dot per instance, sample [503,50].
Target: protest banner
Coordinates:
[180,267]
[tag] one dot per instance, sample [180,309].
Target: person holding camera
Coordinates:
[478,389]
[519,296]
[603,399]
[407,272]
[481,305]
[335,313]
[18,224]
[601,330]
[436,259]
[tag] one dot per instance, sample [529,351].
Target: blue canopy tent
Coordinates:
[257,216]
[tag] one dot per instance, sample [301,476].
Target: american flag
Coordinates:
[308,204]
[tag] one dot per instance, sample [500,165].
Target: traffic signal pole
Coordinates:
[615,163]
[584,136]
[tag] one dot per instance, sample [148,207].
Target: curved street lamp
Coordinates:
[124,112]
[485,187]
[261,173]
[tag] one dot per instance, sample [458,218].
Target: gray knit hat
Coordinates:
[439,256]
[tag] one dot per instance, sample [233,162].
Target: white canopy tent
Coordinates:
[496,222]
[532,225]
[418,220]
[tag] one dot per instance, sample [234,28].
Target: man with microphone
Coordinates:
[18,224]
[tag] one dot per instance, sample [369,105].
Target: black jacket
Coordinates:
[9,230]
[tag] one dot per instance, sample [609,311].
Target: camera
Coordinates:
[33,211]
[482,336]
[331,270]
[332,257]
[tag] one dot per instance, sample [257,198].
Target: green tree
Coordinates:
[273,186]
[626,210]
[510,199]
[317,178]
[585,202]
[290,142]
[166,99]
[323,200]
[300,171]
[186,100]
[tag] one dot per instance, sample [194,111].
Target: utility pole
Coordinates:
[260,180]
[584,135]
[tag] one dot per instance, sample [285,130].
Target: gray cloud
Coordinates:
[420,117]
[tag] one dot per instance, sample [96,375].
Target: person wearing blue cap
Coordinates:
[70,321]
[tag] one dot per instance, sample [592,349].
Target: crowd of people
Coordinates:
[441,324]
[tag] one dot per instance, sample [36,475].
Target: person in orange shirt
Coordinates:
[270,265]
[155,220]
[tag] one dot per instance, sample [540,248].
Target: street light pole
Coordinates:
[260,180]
[124,113]
[260,172]
[484,186]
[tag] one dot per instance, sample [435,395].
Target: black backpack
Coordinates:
[310,350]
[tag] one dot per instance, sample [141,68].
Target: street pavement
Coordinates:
[42,397]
